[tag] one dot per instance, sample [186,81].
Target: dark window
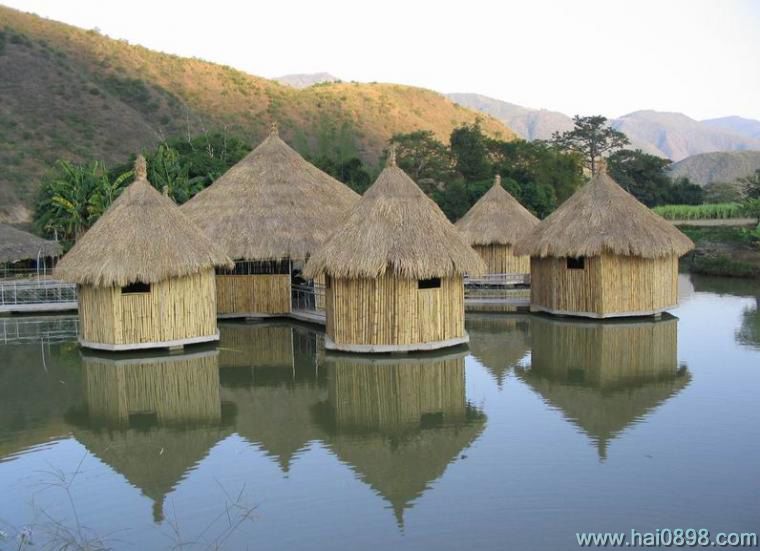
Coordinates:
[257,267]
[433,283]
[576,263]
[136,287]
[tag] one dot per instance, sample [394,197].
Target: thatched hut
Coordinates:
[398,422]
[603,254]
[269,212]
[20,250]
[604,376]
[145,274]
[394,272]
[493,225]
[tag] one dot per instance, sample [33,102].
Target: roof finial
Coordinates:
[165,189]
[497,180]
[273,131]
[141,168]
[391,156]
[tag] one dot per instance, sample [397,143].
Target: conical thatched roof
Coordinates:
[272,205]
[18,245]
[144,237]
[602,217]
[395,228]
[496,219]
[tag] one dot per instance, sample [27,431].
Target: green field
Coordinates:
[716,211]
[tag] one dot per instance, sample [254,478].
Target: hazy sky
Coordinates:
[695,56]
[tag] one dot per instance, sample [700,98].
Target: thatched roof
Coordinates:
[144,237]
[496,219]
[602,217]
[272,205]
[395,228]
[18,245]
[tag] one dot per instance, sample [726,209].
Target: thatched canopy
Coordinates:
[272,205]
[602,217]
[143,237]
[395,228]
[496,219]
[16,245]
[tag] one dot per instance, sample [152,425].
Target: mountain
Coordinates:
[671,135]
[530,124]
[737,125]
[304,80]
[75,94]
[676,136]
[724,166]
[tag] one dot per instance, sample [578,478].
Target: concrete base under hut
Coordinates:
[172,345]
[595,315]
[391,348]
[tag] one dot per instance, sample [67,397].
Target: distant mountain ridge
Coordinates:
[671,135]
[722,166]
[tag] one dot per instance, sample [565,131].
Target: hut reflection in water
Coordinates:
[398,422]
[605,376]
[270,371]
[151,419]
[499,342]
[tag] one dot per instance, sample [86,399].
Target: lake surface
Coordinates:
[542,429]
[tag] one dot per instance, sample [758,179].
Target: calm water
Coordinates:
[542,429]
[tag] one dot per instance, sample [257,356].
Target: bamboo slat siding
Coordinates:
[174,309]
[500,260]
[388,310]
[253,294]
[393,395]
[610,354]
[256,345]
[178,390]
[608,285]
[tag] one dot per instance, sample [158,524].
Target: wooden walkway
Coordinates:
[36,295]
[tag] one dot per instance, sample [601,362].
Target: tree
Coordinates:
[640,174]
[591,138]
[724,192]
[73,196]
[427,161]
[751,185]
[683,191]
[350,172]
[469,146]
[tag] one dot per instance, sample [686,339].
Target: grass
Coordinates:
[714,211]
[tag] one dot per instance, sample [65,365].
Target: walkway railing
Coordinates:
[309,298]
[45,330]
[27,294]
[494,280]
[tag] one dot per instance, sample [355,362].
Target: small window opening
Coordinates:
[135,288]
[433,283]
[576,263]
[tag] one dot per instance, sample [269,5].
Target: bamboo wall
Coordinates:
[605,354]
[392,311]
[178,389]
[175,309]
[500,260]
[253,294]
[609,285]
[393,395]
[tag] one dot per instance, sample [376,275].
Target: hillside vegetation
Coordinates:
[75,94]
